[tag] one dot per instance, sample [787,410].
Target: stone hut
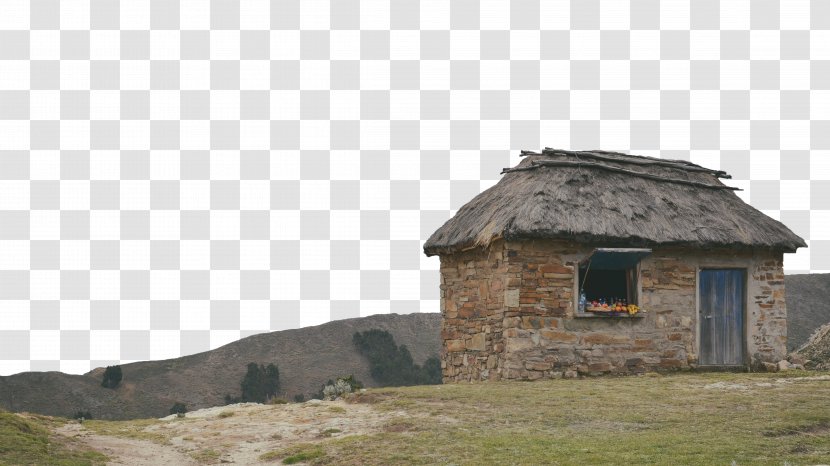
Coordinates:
[704,269]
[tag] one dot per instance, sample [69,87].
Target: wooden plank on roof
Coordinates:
[641,161]
[567,163]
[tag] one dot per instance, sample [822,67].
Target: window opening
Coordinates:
[609,277]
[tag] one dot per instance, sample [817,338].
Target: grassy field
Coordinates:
[27,440]
[678,419]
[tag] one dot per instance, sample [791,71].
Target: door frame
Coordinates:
[744,311]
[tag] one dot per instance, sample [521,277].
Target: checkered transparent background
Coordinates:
[175,175]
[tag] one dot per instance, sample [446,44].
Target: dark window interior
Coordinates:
[608,284]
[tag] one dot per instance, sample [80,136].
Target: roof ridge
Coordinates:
[567,163]
[636,156]
[632,159]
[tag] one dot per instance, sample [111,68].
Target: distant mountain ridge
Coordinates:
[307,357]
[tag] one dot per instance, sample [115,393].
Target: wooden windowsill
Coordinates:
[595,315]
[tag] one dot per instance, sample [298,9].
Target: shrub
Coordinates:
[354,384]
[392,365]
[334,389]
[330,392]
[112,377]
[299,398]
[178,408]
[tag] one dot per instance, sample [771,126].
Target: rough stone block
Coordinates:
[518,344]
[467,311]
[641,344]
[558,336]
[537,365]
[605,339]
[455,345]
[511,322]
[492,361]
[532,322]
[671,363]
[631,362]
[595,368]
[556,268]
[476,343]
[511,298]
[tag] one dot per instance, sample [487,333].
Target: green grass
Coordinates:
[206,456]
[669,419]
[300,453]
[28,441]
[751,419]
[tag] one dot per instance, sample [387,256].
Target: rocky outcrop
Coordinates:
[815,354]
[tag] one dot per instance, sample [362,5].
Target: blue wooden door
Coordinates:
[722,317]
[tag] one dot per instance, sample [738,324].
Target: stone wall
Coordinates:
[473,291]
[509,313]
[767,312]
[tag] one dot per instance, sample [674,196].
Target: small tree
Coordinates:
[112,377]
[260,383]
[178,408]
[272,381]
[392,365]
[432,371]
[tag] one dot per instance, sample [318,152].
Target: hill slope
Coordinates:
[808,306]
[306,357]
[31,439]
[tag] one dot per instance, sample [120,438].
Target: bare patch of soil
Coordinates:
[210,436]
[126,451]
[772,383]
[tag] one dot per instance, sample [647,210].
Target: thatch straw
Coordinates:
[592,204]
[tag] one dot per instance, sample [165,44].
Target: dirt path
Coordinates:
[126,451]
[235,434]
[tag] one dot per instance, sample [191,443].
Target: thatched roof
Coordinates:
[614,199]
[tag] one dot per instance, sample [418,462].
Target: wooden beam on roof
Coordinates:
[632,159]
[567,163]
[610,152]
